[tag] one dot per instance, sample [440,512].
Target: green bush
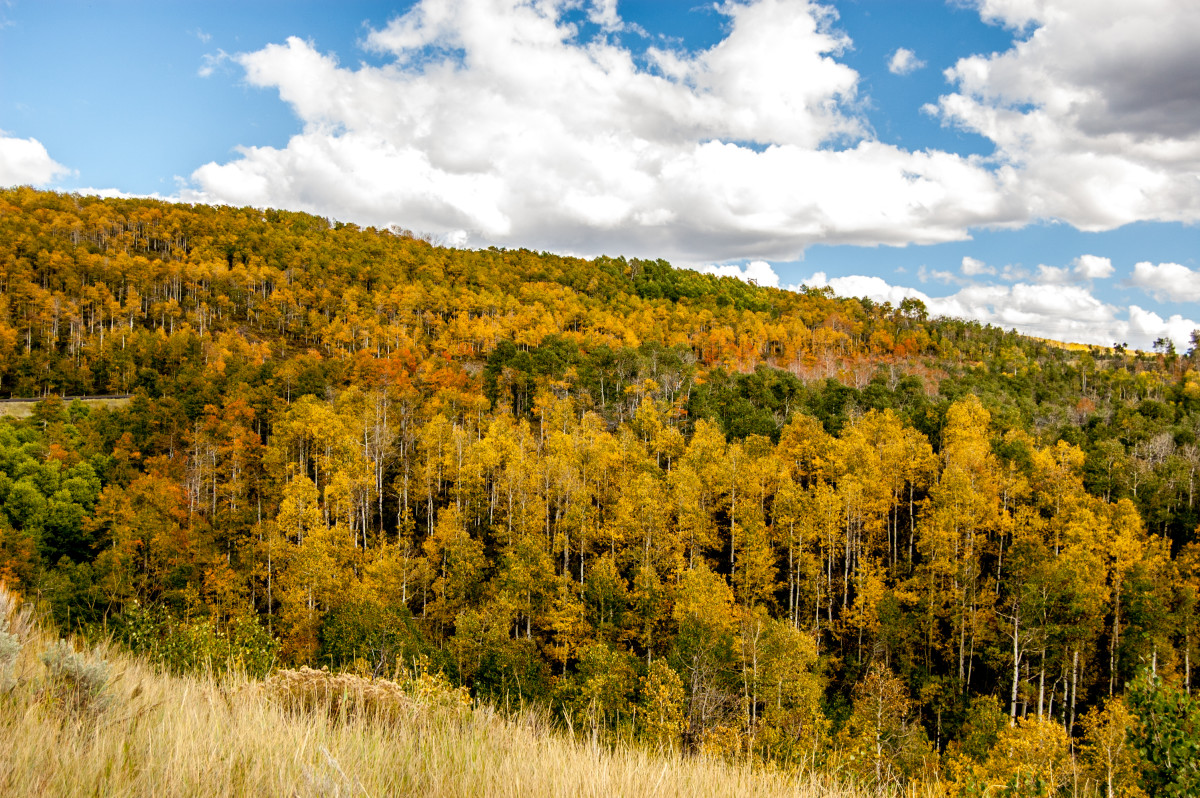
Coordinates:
[10,641]
[10,648]
[197,645]
[376,637]
[78,681]
[1167,735]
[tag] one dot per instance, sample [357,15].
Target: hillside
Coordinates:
[102,723]
[680,511]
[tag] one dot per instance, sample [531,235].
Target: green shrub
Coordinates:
[1166,735]
[78,681]
[197,645]
[10,648]
[370,636]
[10,641]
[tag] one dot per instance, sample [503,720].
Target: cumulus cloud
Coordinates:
[1094,106]
[1016,14]
[1083,269]
[904,62]
[604,14]
[116,193]
[1053,275]
[758,272]
[860,285]
[1014,272]
[1068,313]
[925,274]
[496,117]
[26,162]
[1167,282]
[1092,267]
[973,267]
[529,123]
[1148,326]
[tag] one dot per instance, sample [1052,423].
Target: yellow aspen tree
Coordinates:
[455,560]
[963,511]
[1126,548]
[662,705]
[807,450]
[1108,752]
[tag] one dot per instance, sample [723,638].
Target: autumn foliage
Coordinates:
[675,510]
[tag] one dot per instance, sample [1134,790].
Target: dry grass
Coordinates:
[307,733]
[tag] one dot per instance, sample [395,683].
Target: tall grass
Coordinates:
[306,733]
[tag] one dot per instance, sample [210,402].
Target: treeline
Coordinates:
[822,532]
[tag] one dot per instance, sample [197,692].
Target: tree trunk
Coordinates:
[1074,687]
[1042,684]
[1016,678]
[1116,638]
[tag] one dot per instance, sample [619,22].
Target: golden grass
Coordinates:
[307,733]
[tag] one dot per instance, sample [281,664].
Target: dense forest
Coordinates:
[676,509]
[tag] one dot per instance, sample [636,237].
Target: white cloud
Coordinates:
[925,274]
[1082,269]
[758,272]
[502,118]
[604,14]
[1091,107]
[1167,282]
[860,285]
[904,62]
[494,117]
[116,193]
[26,162]
[1067,313]
[210,62]
[1148,326]
[973,267]
[1013,272]
[1053,275]
[1016,14]
[1092,267]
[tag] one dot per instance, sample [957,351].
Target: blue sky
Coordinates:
[1029,163]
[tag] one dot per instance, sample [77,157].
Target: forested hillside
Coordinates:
[670,507]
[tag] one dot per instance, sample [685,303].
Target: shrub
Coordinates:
[1166,735]
[10,648]
[78,681]
[14,622]
[344,695]
[191,646]
[662,705]
[378,637]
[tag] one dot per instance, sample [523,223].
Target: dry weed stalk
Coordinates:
[339,696]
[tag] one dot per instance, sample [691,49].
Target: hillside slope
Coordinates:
[100,722]
[814,533]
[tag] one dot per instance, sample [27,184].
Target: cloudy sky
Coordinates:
[1030,163]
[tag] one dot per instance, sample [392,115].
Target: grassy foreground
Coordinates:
[103,723]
